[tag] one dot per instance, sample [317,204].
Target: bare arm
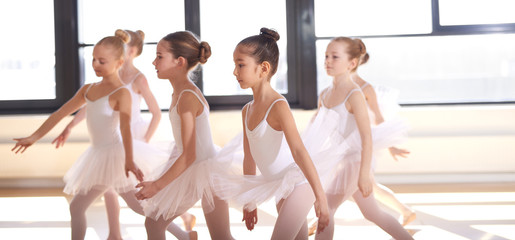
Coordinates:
[68,108]
[189,107]
[360,111]
[122,103]
[61,139]
[373,104]
[249,168]
[371,99]
[143,88]
[249,165]
[282,115]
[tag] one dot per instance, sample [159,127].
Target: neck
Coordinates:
[341,80]
[179,83]
[261,91]
[113,79]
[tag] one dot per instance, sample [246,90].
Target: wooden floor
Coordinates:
[444,212]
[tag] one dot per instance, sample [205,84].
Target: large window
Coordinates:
[156,18]
[224,31]
[27,59]
[434,52]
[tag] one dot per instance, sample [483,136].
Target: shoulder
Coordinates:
[140,80]
[280,108]
[190,100]
[121,93]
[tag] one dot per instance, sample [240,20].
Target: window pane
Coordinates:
[224,30]
[156,18]
[372,17]
[447,69]
[27,59]
[469,12]
[161,88]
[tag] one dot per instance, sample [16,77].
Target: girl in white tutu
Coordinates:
[108,162]
[141,129]
[383,106]
[186,178]
[268,123]
[344,101]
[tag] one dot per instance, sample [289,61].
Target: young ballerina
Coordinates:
[107,163]
[345,101]
[382,100]
[186,178]
[141,129]
[267,121]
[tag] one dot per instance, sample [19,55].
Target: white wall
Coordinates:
[447,144]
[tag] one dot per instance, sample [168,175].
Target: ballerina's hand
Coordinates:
[365,185]
[131,167]
[398,152]
[250,218]
[61,139]
[322,212]
[148,190]
[22,144]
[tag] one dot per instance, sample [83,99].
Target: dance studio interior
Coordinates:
[450,63]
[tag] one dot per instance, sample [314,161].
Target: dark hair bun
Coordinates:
[269,33]
[205,52]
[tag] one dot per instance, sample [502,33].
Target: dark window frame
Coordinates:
[301,50]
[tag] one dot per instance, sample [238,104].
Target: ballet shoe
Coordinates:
[193,235]
[189,222]
[406,219]
[312,228]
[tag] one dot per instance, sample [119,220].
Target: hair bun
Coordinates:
[204,52]
[123,35]
[141,34]
[269,33]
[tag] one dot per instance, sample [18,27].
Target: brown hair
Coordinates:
[355,49]
[137,38]
[263,47]
[185,44]
[117,42]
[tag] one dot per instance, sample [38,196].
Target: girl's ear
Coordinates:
[120,63]
[181,61]
[353,64]
[265,69]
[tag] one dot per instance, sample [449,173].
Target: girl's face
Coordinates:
[165,62]
[104,61]
[337,60]
[246,69]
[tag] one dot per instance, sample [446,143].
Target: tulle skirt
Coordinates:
[196,182]
[249,191]
[105,166]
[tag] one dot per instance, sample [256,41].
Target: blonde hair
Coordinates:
[117,42]
[355,49]
[137,38]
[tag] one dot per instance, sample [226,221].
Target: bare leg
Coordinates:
[218,220]
[134,204]
[113,214]
[78,207]
[387,197]
[292,214]
[189,221]
[373,213]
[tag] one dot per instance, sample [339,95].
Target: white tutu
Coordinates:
[195,182]
[105,166]
[324,143]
